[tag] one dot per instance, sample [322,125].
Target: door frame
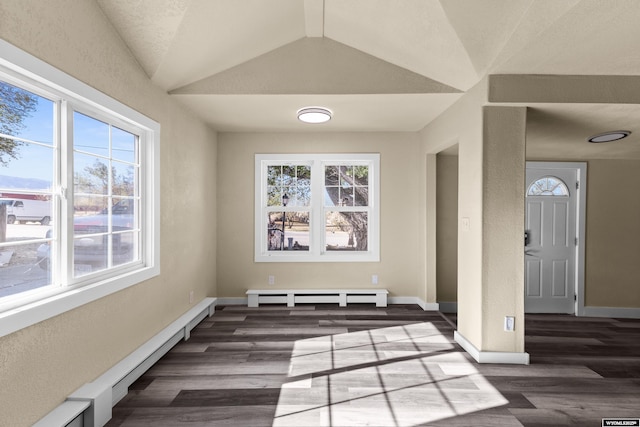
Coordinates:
[581,211]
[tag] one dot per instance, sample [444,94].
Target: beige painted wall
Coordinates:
[491,166]
[613,234]
[42,364]
[502,227]
[462,124]
[399,267]
[447,228]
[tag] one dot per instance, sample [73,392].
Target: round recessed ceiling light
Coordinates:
[314,114]
[610,136]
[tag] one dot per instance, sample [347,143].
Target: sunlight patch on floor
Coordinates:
[398,376]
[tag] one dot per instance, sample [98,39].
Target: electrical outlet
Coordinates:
[272,280]
[190,297]
[509,323]
[374,279]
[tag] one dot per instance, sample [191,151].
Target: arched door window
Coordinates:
[548,186]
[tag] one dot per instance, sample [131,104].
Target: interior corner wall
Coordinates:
[447,228]
[462,123]
[491,146]
[399,266]
[42,364]
[612,234]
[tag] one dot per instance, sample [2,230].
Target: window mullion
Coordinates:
[110,182]
[138,193]
[64,267]
[317,208]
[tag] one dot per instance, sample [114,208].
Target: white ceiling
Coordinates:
[380,65]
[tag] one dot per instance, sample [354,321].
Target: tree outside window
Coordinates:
[27,151]
[320,207]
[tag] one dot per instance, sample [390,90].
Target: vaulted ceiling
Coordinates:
[380,65]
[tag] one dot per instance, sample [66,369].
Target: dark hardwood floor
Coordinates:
[321,365]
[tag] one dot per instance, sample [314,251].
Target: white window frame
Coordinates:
[317,252]
[28,308]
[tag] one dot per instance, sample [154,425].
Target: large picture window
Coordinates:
[321,207]
[78,193]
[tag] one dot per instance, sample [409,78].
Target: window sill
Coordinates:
[326,257]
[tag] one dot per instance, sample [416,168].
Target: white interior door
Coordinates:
[550,240]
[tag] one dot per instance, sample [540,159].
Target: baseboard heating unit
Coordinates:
[316,296]
[90,405]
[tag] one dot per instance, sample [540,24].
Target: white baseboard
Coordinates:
[431,306]
[105,391]
[448,307]
[620,312]
[392,300]
[232,301]
[68,413]
[491,356]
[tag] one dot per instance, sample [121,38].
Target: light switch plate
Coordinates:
[509,323]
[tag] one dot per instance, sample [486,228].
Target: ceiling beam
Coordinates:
[568,89]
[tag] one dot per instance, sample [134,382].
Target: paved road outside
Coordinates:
[21,271]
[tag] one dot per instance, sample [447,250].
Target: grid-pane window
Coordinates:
[346,191]
[106,229]
[288,201]
[28,148]
[78,195]
[320,207]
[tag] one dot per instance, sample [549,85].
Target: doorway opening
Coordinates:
[447,230]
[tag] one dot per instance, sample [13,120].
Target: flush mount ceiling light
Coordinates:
[610,136]
[314,114]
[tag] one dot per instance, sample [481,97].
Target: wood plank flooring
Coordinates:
[322,365]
